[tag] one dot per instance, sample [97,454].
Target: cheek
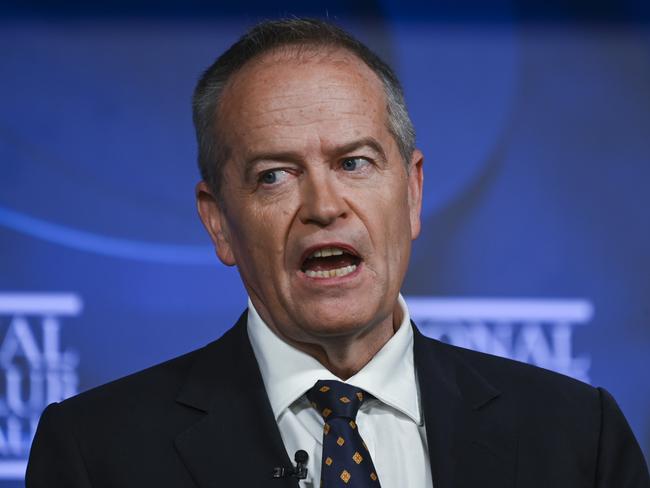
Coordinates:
[396,226]
[260,235]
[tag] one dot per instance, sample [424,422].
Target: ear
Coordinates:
[214,220]
[415,181]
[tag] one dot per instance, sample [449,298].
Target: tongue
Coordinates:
[330,262]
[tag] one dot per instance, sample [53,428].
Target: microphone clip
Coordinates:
[299,471]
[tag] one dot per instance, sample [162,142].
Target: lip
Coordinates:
[312,249]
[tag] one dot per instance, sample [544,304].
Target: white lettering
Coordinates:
[35,368]
[539,332]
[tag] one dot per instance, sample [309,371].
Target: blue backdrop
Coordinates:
[535,124]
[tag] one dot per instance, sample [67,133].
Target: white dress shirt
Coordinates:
[391,425]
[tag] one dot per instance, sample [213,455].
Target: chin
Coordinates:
[337,320]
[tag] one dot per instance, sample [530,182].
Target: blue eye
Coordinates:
[273,177]
[353,164]
[269,177]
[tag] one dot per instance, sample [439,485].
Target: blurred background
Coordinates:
[534,119]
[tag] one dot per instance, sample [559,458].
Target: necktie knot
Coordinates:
[336,399]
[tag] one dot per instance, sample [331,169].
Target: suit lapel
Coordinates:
[236,441]
[470,433]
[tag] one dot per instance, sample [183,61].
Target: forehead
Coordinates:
[296,93]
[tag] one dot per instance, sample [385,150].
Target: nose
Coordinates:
[322,201]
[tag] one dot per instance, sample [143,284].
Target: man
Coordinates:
[312,187]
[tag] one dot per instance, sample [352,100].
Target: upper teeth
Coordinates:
[327,251]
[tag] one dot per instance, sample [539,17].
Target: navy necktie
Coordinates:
[346,460]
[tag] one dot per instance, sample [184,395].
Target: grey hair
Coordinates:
[268,36]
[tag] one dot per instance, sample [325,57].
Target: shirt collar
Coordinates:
[288,372]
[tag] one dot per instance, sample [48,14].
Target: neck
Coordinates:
[345,358]
[345,355]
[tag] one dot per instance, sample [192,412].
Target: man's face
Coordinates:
[318,208]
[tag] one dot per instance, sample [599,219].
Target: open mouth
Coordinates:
[330,262]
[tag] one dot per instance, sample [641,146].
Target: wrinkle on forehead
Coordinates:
[288,100]
[272,67]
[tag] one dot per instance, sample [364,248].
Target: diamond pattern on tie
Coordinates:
[346,460]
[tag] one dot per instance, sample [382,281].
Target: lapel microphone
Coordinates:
[299,471]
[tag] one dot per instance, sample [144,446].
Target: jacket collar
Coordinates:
[236,442]
[470,436]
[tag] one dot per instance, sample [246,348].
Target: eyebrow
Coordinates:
[370,142]
[294,156]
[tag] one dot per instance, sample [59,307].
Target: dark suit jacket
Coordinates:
[204,420]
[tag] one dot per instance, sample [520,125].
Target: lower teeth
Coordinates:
[331,273]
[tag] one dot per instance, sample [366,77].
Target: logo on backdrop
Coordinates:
[35,369]
[538,332]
